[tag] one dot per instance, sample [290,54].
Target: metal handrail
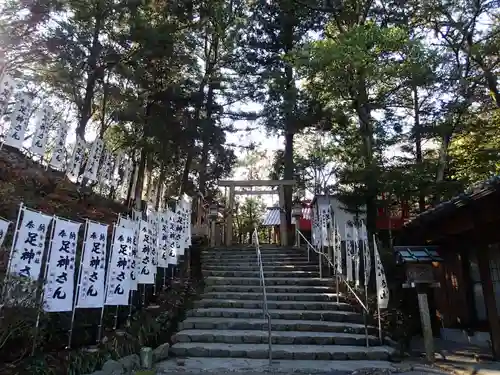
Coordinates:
[265,309]
[340,276]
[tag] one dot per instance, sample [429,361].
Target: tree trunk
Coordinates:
[206,139]
[418,145]
[149,177]
[366,130]
[131,184]
[290,101]
[163,173]
[95,51]
[213,56]
[140,180]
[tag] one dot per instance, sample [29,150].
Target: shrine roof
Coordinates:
[444,209]
[417,254]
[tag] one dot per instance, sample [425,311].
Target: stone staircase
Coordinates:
[307,321]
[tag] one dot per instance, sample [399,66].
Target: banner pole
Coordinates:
[70,334]
[42,278]
[9,264]
[99,328]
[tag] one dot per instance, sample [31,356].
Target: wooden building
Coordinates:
[466,230]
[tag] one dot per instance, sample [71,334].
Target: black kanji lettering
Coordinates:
[62,278]
[32,237]
[28,255]
[59,293]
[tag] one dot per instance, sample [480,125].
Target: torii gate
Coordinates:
[252,183]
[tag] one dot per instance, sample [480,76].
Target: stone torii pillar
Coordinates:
[229,219]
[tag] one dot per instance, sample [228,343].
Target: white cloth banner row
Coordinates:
[325,233]
[137,248]
[46,119]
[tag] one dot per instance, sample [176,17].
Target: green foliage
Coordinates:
[248,215]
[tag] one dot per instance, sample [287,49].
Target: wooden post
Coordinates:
[489,299]
[425,319]
[229,219]
[283,226]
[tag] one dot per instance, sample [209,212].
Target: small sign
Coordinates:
[420,274]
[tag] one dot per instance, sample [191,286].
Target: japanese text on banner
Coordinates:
[44,118]
[4,226]
[118,280]
[58,159]
[76,159]
[134,226]
[145,254]
[60,278]
[163,240]
[94,159]
[26,259]
[93,272]
[173,238]
[19,119]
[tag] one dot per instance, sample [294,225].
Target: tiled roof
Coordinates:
[272,217]
[473,193]
[417,254]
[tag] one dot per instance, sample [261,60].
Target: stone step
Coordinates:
[260,351]
[276,325]
[269,289]
[299,297]
[279,338]
[331,316]
[252,262]
[247,366]
[252,250]
[254,256]
[256,273]
[270,281]
[276,305]
[255,267]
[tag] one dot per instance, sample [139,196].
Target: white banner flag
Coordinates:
[338,249]
[134,226]
[93,267]
[348,252]
[58,158]
[174,237]
[382,289]
[7,86]
[355,255]
[186,203]
[4,227]
[367,259]
[29,248]
[153,218]
[94,159]
[118,279]
[106,170]
[115,180]
[145,252]
[60,279]
[76,159]
[43,121]
[163,240]
[19,120]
